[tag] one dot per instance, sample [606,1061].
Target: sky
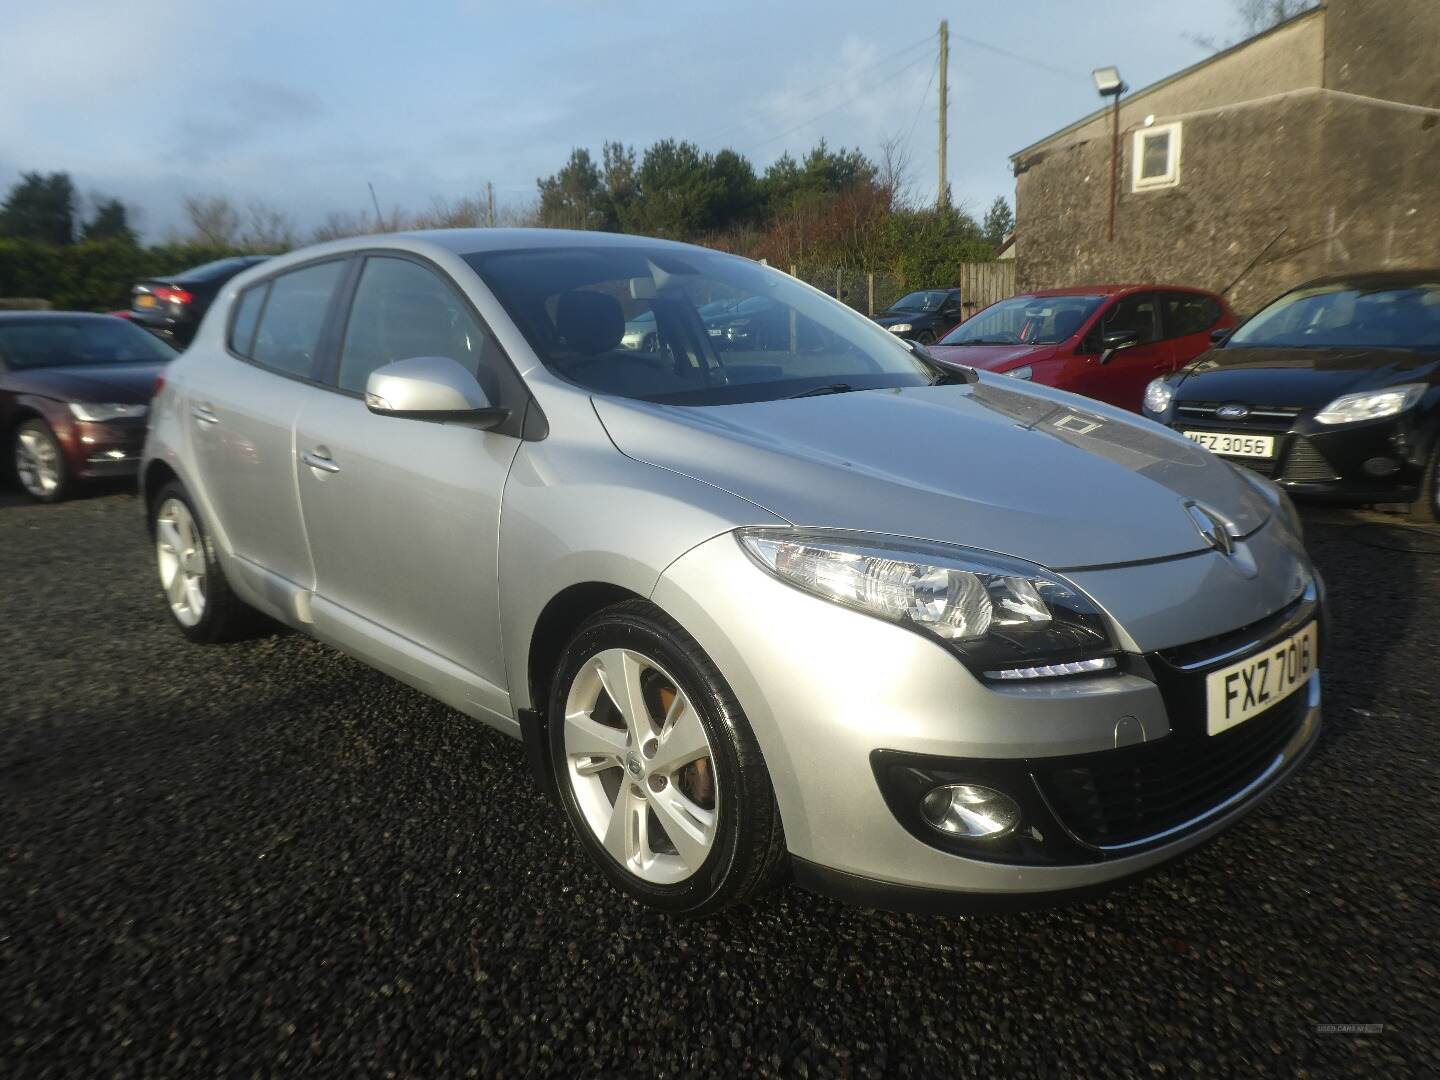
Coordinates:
[299,104]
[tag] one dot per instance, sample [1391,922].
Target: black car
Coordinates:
[1333,390]
[172,307]
[926,315]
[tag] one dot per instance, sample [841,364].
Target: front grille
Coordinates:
[1304,462]
[1128,795]
[1260,417]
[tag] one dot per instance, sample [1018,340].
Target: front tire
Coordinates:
[197,593]
[657,768]
[40,463]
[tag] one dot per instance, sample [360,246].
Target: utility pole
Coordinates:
[490,204]
[942,198]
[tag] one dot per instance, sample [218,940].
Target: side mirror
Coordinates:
[431,388]
[1112,341]
[1219,337]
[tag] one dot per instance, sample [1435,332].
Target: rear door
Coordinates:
[241,407]
[403,514]
[1121,378]
[1188,318]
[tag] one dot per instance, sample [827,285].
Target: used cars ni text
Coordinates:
[1104,341]
[74,390]
[754,613]
[1333,390]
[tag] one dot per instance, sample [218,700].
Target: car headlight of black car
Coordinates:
[1007,619]
[1371,404]
[1158,396]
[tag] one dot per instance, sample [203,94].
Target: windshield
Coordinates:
[780,338]
[61,342]
[927,300]
[1331,316]
[1026,320]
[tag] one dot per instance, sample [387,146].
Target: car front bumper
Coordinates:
[839,700]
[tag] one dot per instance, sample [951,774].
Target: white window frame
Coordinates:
[1171,176]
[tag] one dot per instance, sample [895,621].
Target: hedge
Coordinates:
[92,276]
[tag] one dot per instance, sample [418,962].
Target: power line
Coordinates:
[848,101]
[1019,58]
[886,60]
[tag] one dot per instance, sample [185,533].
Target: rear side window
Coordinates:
[1189,313]
[294,315]
[247,315]
[403,310]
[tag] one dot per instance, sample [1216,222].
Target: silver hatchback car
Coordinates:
[824,610]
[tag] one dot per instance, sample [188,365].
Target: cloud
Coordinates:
[219,119]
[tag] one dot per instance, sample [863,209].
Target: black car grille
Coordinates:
[1259,418]
[1138,792]
[1305,463]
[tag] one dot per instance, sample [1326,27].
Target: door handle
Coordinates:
[319,459]
[204,414]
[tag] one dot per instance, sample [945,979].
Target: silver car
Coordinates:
[827,611]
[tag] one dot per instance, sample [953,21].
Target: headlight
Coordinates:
[899,328]
[1158,396]
[1006,618]
[1371,404]
[87,410]
[1023,372]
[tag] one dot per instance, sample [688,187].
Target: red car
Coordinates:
[1104,341]
[74,392]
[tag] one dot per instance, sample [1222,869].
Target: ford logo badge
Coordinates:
[1233,412]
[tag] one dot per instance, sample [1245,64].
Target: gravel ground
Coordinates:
[265,858]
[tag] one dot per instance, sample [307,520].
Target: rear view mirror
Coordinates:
[431,388]
[1114,340]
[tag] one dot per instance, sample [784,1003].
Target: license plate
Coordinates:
[146,301]
[1233,444]
[1236,693]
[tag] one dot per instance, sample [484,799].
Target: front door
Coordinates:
[1120,379]
[403,514]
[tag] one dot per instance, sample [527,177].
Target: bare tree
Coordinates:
[339,224]
[1255,17]
[214,221]
[268,230]
[892,174]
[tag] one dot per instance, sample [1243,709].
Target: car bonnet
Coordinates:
[1005,467]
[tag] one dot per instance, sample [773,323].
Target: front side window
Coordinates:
[1025,320]
[1157,157]
[403,310]
[288,335]
[1334,316]
[690,327]
[1188,313]
[57,341]
[1137,312]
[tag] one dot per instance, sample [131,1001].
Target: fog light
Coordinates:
[1381,466]
[970,810]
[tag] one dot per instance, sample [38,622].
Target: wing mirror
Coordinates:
[1220,336]
[1112,341]
[431,388]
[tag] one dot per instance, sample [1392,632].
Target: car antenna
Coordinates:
[1251,264]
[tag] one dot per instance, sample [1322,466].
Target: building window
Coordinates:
[1157,157]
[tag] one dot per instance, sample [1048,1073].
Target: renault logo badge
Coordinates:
[1212,528]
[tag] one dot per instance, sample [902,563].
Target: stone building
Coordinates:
[1312,148]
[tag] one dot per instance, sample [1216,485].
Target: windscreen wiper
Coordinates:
[816,391]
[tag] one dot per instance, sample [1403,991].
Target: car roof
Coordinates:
[477,241]
[42,316]
[1375,279]
[1113,290]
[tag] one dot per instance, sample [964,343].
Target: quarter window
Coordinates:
[402,310]
[1156,157]
[1189,313]
[247,315]
[288,336]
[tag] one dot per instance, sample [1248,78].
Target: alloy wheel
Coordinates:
[640,766]
[37,462]
[181,558]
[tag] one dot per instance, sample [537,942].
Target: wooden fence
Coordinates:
[981,284]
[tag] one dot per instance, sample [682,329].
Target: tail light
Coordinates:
[168,295]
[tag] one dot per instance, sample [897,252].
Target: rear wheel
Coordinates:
[657,768]
[39,462]
[196,591]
